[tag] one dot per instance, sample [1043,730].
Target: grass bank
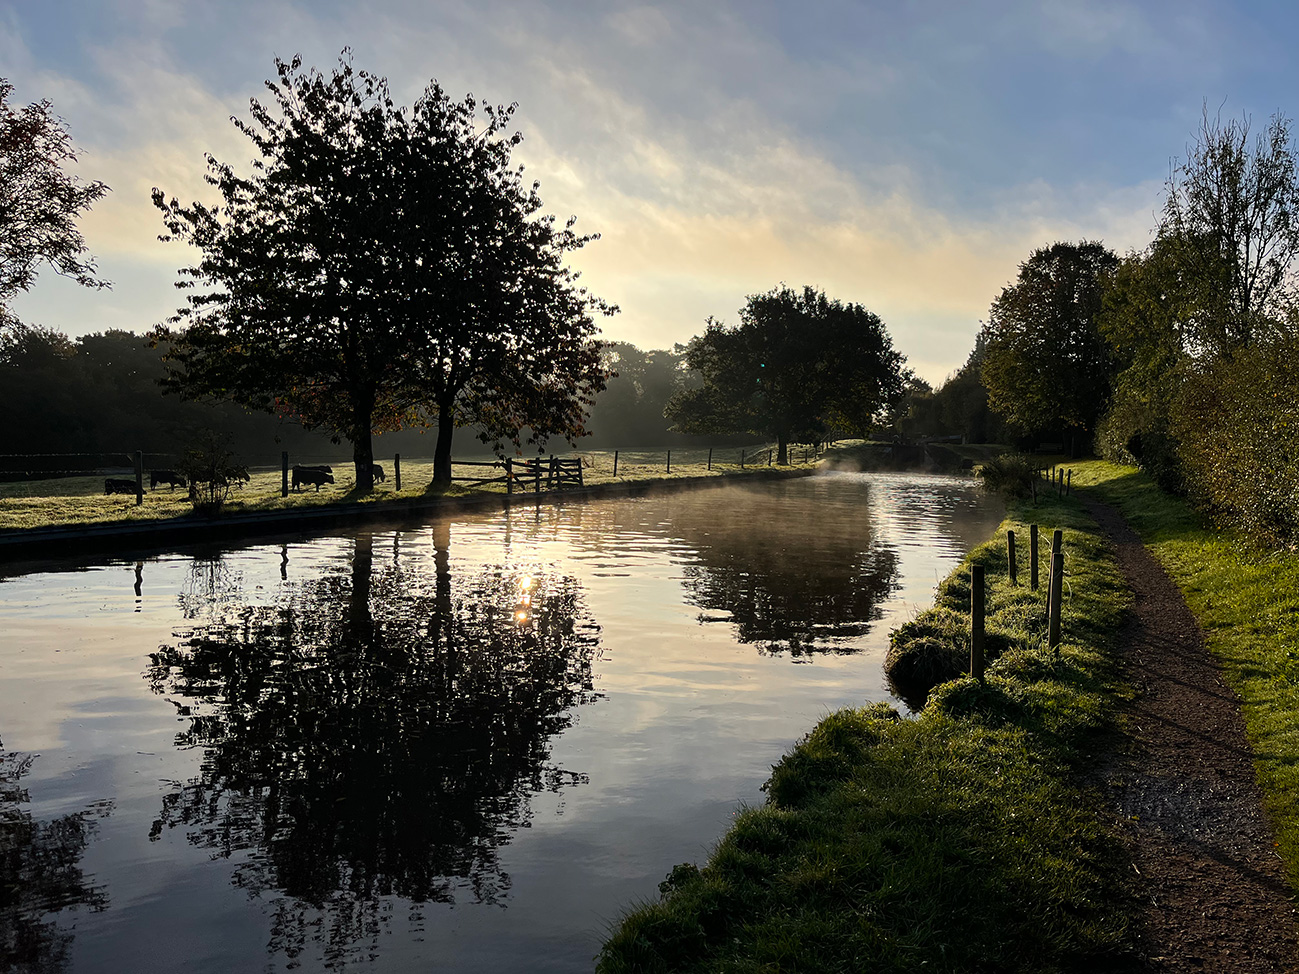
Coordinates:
[961,840]
[1247,600]
[73,501]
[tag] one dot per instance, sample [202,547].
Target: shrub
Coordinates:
[1011,475]
[210,466]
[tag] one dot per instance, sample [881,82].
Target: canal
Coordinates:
[464,746]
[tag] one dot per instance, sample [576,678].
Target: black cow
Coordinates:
[240,475]
[377,473]
[169,477]
[311,475]
[113,485]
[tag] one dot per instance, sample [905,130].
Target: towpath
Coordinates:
[1213,892]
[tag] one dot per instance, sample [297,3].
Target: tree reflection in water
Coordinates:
[793,570]
[374,733]
[40,875]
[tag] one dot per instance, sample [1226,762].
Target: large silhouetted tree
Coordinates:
[383,266]
[1047,367]
[39,201]
[796,364]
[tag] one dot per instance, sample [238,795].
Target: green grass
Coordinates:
[956,841]
[1247,600]
[81,500]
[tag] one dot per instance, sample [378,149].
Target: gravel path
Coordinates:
[1213,892]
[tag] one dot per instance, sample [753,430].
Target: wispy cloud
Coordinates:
[902,157]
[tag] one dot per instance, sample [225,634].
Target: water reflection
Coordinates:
[377,730]
[804,574]
[40,876]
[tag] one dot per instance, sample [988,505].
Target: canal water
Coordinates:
[464,746]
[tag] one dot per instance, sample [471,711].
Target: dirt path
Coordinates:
[1213,892]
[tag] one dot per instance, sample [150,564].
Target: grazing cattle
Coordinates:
[240,475]
[169,477]
[114,485]
[311,475]
[377,473]
[322,467]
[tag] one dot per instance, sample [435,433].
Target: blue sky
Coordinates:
[904,155]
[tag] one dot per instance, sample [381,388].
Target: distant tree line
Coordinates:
[100,393]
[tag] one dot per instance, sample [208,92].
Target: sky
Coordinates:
[904,155]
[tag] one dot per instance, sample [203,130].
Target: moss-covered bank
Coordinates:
[962,840]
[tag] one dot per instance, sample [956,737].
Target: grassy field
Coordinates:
[1247,600]
[81,500]
[956,841]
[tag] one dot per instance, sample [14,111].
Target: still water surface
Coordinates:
[464,746]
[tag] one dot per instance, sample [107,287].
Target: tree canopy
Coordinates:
[39,201]
[797,364]
[1047,367]
[382,267]
[1231,225]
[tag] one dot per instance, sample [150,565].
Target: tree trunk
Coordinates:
[363,444]
[442,452]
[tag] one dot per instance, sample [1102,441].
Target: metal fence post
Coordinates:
[1010,557]
[396,471]
[139,478]
[615,463]
[710,458]
[669,461]
[284,473]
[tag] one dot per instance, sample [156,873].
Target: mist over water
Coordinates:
[464,746]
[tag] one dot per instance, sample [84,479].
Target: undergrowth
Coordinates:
[956,841]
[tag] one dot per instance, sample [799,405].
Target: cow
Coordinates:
[311,475]
[240,475]
[169,477]
[114,485]
[376,472]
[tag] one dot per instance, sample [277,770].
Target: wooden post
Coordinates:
[1053,602]
[396,471]
[741,458]
[536,469]
[1032,557]
[1068,483]
[139,478]
[509,476]
[669,461]
[769,458]
[976,621]
[284,473]
[1010,557]
[710,458]
[615,463]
